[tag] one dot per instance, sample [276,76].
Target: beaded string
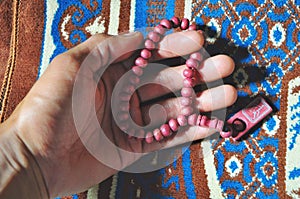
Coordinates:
[187,115]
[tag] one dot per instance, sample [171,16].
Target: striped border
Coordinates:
[113,26]
[291,166]
[132,15]
[210,169]
[291,186]
[6,85]
[93,192]
[48,46]
[188,9]
[114,183]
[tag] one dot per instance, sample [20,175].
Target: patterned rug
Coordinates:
[262,36]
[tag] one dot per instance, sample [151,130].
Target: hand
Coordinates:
[44,121]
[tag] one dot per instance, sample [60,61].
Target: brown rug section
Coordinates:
[22,24]
[6,14]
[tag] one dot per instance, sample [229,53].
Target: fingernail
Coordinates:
[129,34]
[200,31]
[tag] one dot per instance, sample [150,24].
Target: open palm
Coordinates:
[60,118]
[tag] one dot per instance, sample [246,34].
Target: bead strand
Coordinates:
[187,115]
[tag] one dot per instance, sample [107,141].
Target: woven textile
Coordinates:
[263,38]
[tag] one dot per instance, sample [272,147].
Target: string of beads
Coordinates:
[187,115]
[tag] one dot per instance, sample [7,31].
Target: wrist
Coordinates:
[21,176]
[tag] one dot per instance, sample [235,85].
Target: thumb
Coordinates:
[107,49]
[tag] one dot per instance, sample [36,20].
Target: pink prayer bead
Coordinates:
[149,137]
[227,133]
[185,101]
[140,134]
[192,27]
[124,106]
[204,122]
[141,62]
[187,92]
[154,37]
[150,45]
[137,70]
[123,116]
[146,54]
[197,56]
[192,119]
[192,63]
[189,82]
[187,111]
[220,125]
[129,89]
[198,122]
[175,22]
[124,126]
[188,73]
[165,130]
[173,124]
[125,97]
[159,29]
[157,135]
[166,23]
[184,24]
[212,123]
[131,133]
[182,121]
[134,79]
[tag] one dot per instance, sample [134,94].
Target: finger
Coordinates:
[104,49]
[80,51]
[179,44]
[171,78]
[216,98]
[209,100]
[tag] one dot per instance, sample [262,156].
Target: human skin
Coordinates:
[40,144]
